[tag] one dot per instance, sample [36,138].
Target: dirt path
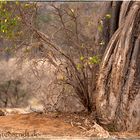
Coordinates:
[49,125]
[41,124]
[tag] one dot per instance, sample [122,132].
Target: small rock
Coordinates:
[2,113]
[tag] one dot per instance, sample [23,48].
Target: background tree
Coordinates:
[64,41]
[13,34]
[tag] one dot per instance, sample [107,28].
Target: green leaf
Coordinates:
[108,16]
[100,26]
[102,43]
[94,60]
[82,58]
[79,66]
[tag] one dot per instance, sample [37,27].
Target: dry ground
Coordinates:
[53,124]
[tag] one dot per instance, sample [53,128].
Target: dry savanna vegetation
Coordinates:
[70,69]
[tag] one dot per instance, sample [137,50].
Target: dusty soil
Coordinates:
[42,124]
[51,124]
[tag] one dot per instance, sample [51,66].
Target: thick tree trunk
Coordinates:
[115,15]
[119,71]
[110,25]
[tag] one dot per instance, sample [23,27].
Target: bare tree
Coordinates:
[73,55]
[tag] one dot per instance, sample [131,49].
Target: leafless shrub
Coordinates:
[71,50]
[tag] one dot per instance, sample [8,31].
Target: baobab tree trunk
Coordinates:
[118,86]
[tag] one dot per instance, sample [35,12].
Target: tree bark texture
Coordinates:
[118,85]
